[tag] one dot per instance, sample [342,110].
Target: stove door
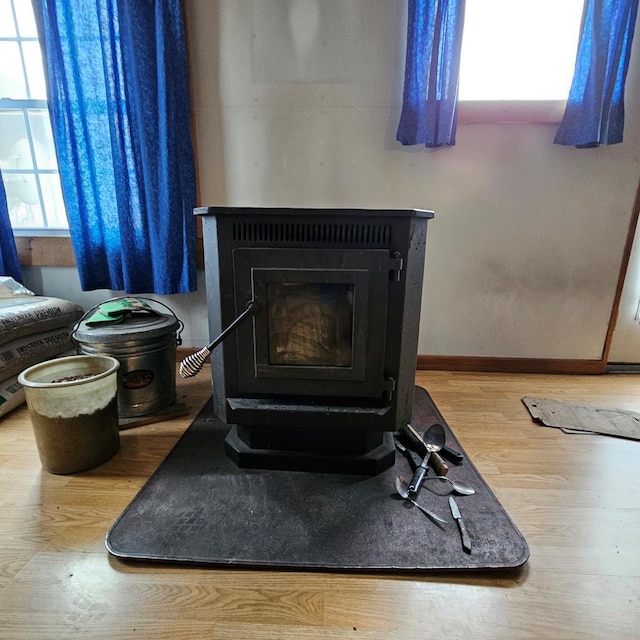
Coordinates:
[321,321]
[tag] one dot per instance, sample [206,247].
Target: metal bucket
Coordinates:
[145,346]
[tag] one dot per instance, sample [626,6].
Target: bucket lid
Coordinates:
[133,327]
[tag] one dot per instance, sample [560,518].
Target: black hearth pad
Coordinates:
[199,508]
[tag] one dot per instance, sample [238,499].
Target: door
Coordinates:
[320,323]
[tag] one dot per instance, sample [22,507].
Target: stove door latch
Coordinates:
[396,262]
[388,387]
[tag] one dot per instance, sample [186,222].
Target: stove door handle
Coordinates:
[192,364]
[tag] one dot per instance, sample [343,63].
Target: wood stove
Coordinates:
[322,371]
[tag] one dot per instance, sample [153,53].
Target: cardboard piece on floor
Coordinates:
[578,418]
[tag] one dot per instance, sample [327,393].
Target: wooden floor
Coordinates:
[576,499]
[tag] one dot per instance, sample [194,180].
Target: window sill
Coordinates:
[510,111]
[45,251]
[56,251]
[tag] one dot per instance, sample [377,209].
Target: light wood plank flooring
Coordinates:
[576,499]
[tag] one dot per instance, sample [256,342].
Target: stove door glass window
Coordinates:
[310,324]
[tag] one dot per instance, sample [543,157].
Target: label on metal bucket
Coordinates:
[137,379]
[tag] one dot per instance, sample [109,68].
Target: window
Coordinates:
[519,52]
[27,154]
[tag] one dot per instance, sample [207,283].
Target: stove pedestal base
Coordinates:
[318,450]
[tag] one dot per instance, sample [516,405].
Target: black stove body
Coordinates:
[323,371]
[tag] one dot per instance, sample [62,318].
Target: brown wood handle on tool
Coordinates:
[438,464]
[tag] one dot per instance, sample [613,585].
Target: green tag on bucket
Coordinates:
[114,311]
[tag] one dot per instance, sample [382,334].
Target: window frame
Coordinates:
[516,110]
[24,106]
[510,111]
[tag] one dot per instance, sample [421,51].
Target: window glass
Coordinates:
[27,152]
[23,200]
[7,25]
[35,73]
[55,212]
[12,80]
[12,129]
[519,50]
[40,126]
[26,22]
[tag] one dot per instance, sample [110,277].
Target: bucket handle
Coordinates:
[162,304]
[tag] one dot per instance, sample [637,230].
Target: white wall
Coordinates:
[524,252]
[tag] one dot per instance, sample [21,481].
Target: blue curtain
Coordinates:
[434,41]
[119,101]
[595,109]
[9,265]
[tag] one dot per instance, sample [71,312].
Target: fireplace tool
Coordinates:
[192,364]
[427,447]
[433,439]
